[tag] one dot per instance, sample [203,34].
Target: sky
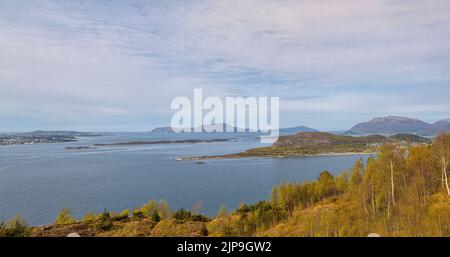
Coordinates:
[116,65]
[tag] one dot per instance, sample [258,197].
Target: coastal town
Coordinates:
[14,140]
[40,137]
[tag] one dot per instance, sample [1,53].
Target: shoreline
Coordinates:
[239,156]
[183,141]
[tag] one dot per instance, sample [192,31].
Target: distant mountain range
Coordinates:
[225,127]
[395,125]
[389,125]
[295,130]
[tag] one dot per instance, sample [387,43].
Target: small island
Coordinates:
[83,147]
[183,141]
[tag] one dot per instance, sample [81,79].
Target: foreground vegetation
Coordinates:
[402,192]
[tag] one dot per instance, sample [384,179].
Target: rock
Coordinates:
[73,235]
[373,235]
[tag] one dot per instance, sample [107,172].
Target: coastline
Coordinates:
[183,141]
[240,156]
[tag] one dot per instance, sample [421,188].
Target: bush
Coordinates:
[125,213]
[105,221]
[149,208]
[64,217]
[89,217]
[155,216]
[120,216]
[138,214]
[199,218]
[258,216]
[183,215]
[164,210]
[15,227]
[204,230]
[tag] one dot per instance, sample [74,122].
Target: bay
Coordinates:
[37,181]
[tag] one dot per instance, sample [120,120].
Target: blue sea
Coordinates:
[37,181]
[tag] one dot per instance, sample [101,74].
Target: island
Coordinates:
[83,147]
[322,143]
[183,141]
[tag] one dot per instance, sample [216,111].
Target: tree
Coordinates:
[421,171]
[441,149]
[197,207]
[392,161]
[342,183]
[356,177]
[325,184]
[285,196]
[182,215]
[156,217]
[149,208]
[64,217]
[222,212]
[164,209]
[105,221]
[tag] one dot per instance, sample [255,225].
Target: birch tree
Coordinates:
[441,149]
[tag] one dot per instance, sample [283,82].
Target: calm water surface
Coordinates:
[37,181]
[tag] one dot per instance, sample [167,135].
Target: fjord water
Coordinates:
[36,181]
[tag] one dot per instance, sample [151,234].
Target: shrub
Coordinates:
[149,208]
[64,217]
[120,216]
[105,221]
[204,230]
[126,213]
[258,216]
[164,209]
[89,217]
[15,227]
[138,214]
[155,216]
[199,218]
[183,215]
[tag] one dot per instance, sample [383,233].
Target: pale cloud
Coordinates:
[103,64]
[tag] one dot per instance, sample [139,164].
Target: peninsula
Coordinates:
[322,143]
[39,137]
